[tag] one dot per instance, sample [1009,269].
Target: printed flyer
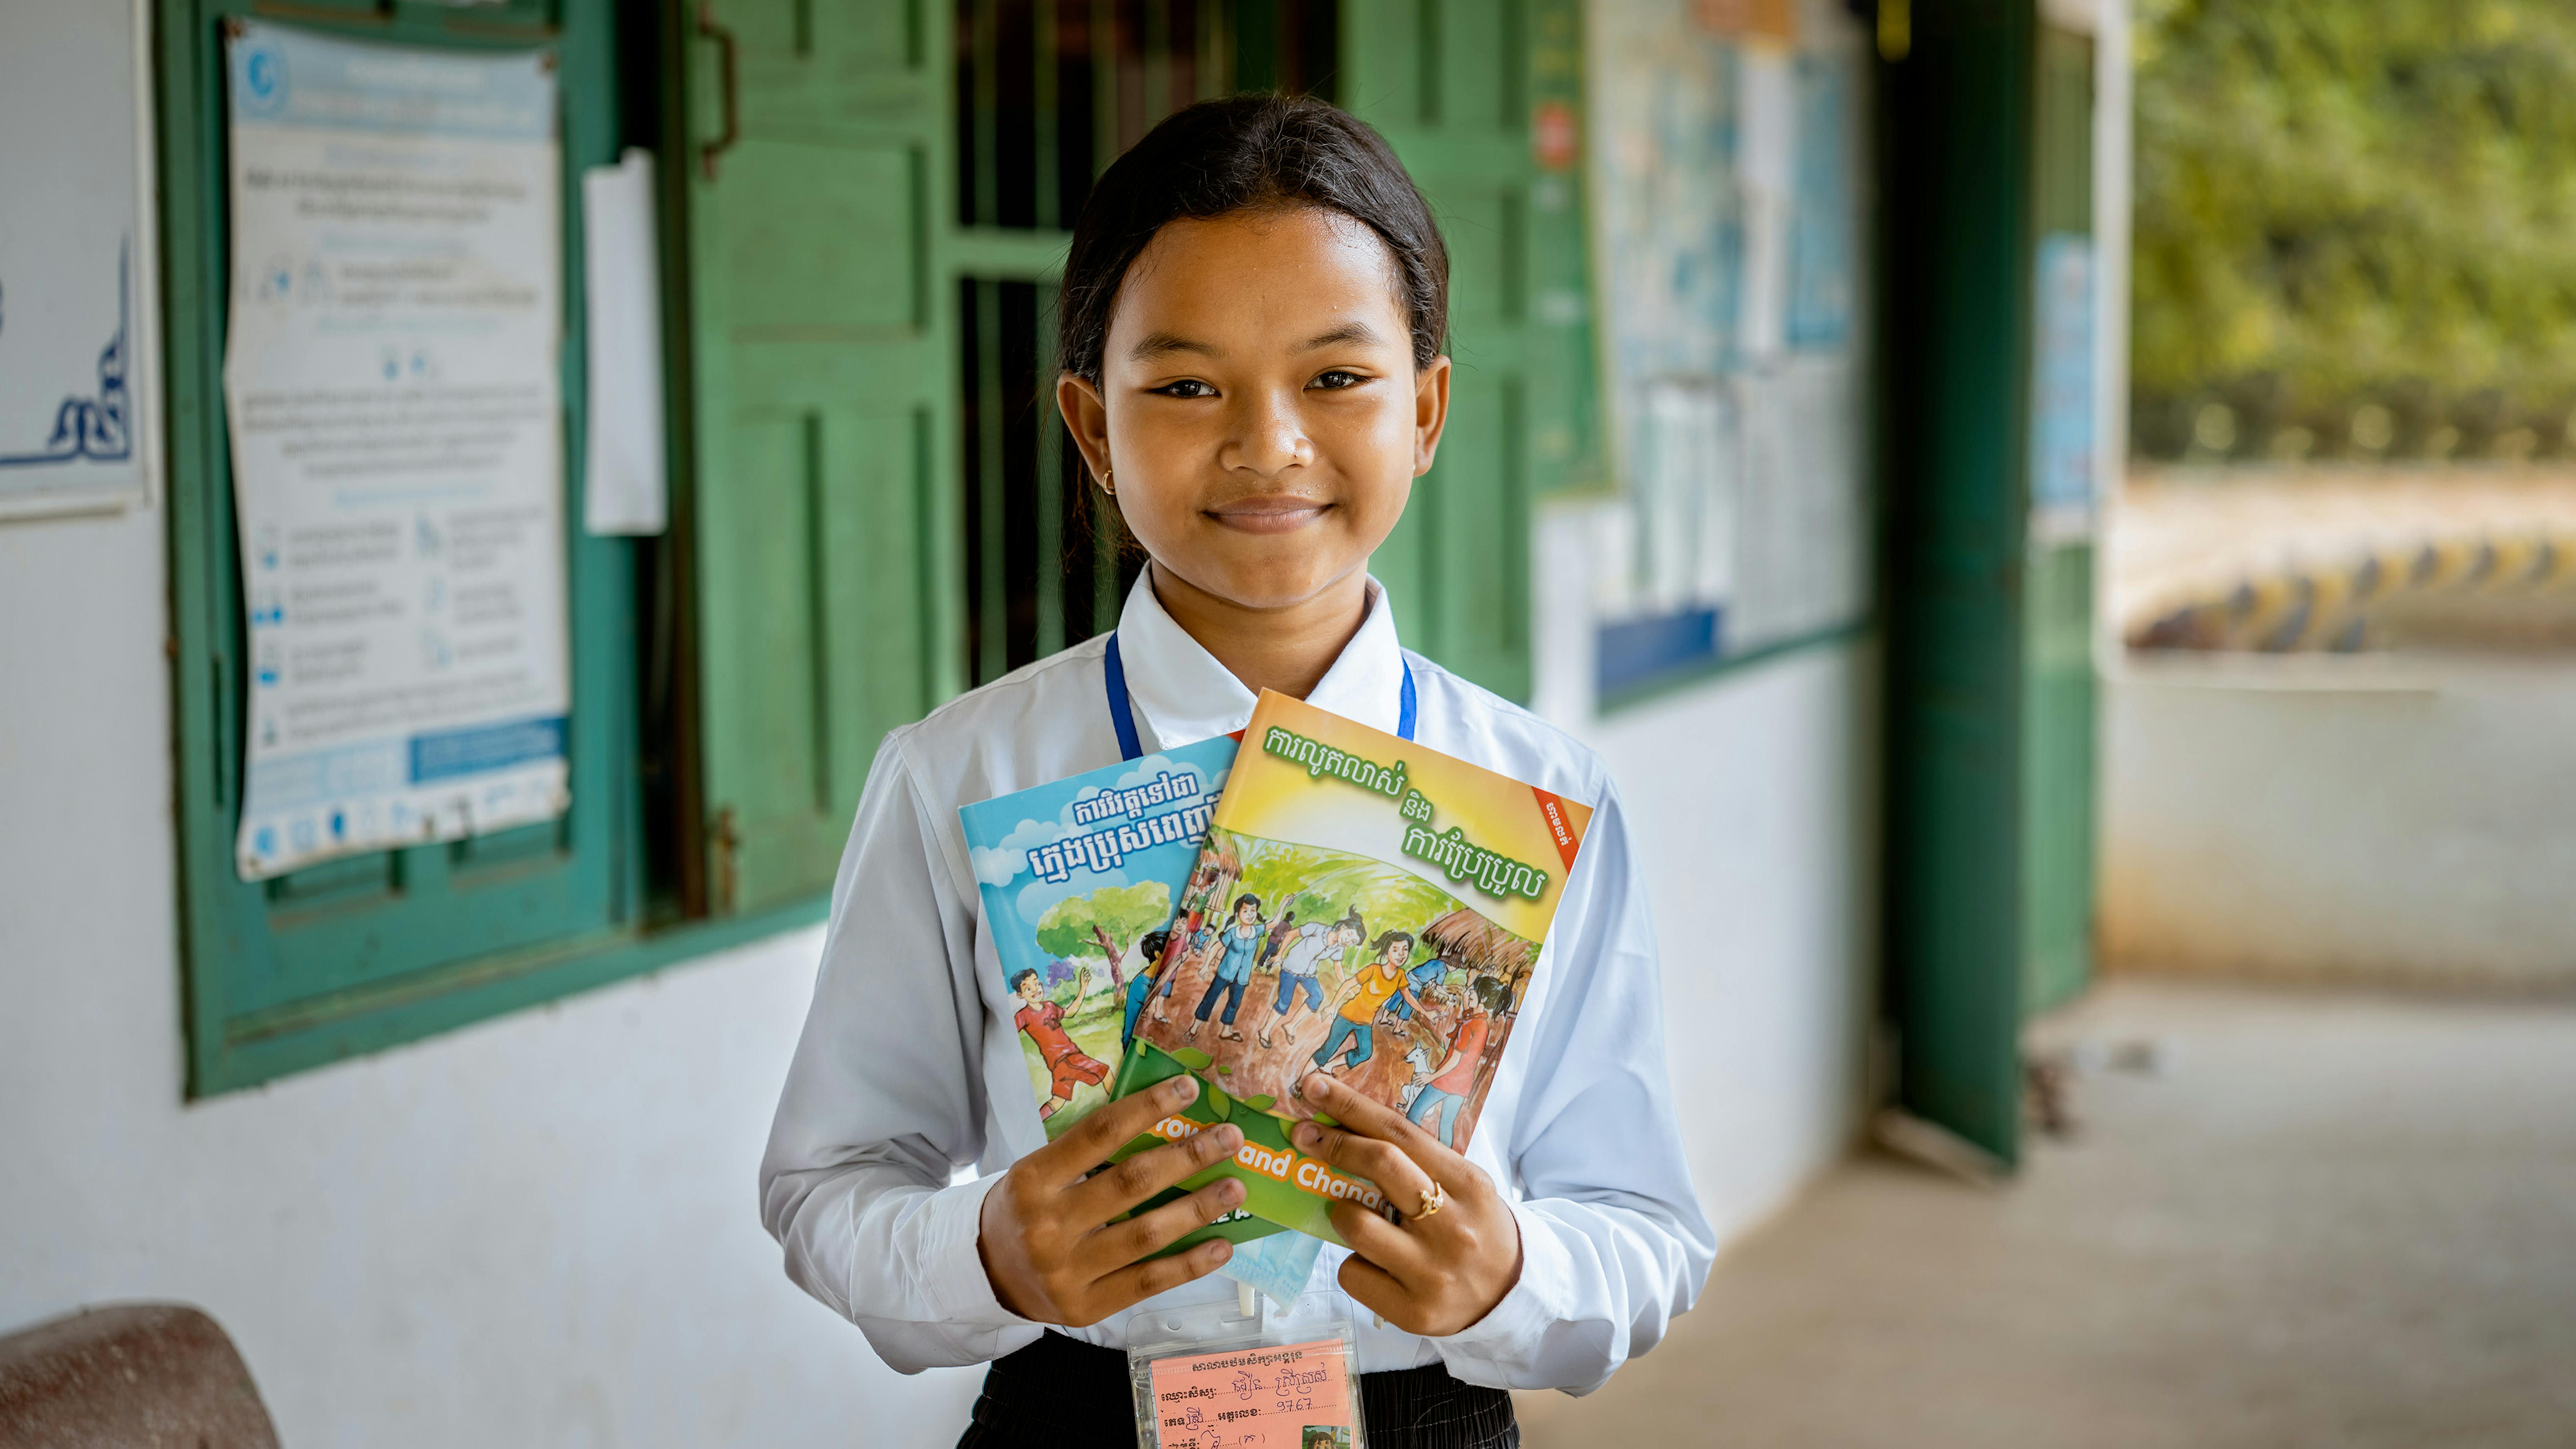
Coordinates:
[393,392]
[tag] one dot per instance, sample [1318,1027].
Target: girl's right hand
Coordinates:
[1046,1238]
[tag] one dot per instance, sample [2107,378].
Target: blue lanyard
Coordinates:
[1123,718]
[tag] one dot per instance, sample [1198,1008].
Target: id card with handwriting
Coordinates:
[1296,1396]
[1237,1385]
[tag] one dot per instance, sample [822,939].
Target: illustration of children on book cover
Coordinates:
[1079,880]
[1365,907]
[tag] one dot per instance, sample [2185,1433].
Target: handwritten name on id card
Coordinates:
[1296,1396]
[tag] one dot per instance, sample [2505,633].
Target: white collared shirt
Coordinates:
[908,1067]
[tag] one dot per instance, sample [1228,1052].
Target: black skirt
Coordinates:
[1062,1393]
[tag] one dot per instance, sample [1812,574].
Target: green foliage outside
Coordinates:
[2355,228]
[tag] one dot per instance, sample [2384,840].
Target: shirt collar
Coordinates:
[1183,695]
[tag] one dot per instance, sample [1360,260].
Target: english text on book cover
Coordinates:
[1364,906]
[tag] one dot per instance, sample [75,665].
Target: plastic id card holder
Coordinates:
[1212,1377]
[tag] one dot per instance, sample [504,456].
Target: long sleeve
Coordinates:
[1613,1240]
[885,1095]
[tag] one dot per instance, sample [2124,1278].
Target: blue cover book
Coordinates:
[1080,879]
[1083,882]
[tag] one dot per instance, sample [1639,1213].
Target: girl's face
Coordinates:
[1247,913]
[1259,415]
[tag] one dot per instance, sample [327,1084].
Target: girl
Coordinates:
[1451,1081]
[1301,962]
[1234,968]
[1371,990]
[1252,321]
[1147,977]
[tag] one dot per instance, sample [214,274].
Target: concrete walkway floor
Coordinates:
[2312,1219]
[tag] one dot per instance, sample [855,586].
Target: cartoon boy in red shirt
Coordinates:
[1043,1020]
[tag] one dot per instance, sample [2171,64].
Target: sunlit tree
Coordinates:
[1105,924]
[2355,227]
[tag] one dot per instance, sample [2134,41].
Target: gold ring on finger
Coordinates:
[1434,1198]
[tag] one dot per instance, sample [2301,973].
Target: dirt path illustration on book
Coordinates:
[1411,986]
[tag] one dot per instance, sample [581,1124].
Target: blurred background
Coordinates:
[2061,514]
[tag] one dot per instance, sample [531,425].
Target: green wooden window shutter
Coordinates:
[823,381]
[359,953]
[1447,81]
[1561,406]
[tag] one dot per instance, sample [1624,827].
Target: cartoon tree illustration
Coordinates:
[1104,923]
[1286,877]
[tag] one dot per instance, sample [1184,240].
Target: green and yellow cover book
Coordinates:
[1364,906]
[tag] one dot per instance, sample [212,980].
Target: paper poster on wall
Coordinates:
[1670,223]
[1730,222]
[391,382]
[2061,384]
[1824,225]
[623,490]
[72,271]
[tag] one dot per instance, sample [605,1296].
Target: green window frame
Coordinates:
[368,951]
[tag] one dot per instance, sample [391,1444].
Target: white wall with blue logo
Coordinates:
[75,269]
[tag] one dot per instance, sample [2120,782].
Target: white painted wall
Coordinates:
[542,1230]
[1754,799]
[2394,820]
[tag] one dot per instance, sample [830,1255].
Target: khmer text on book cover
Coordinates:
[1079,878]
[1363,906]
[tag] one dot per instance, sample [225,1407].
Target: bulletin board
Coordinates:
[1730,210]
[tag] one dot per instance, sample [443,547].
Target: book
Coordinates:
[1079,880]
[1361,905]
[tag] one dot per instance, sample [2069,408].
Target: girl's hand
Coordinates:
[1431,1275]
[1046,1237]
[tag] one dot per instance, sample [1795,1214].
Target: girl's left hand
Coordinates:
[1433,1275]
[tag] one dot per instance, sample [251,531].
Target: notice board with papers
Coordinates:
[1731,219]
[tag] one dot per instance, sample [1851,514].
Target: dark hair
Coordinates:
[1151,944]
[1237,154]
[1494,993]
[1389,939]
[1023,974]
[1245,899]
